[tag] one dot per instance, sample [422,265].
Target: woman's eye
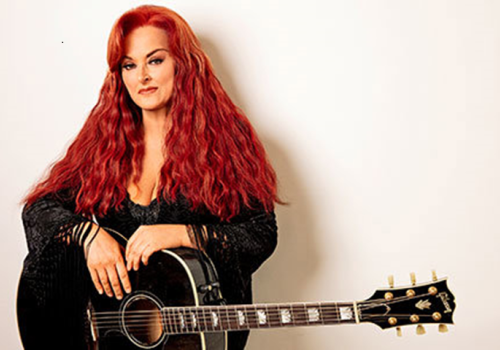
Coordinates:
[127,66]
[131,65]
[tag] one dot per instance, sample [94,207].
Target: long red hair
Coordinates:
[215,158]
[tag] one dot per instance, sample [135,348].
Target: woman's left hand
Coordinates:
[148,239]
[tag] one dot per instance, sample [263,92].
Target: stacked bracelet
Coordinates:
[92,239]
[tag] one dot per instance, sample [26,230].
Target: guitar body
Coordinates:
[172,278]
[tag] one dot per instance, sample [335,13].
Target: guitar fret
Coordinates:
[207,321]
[167,320]
[206,318]
[261,316]
[222,314]
[285,315]
[193,319]
[273,315]
[322,313]
[337,318]
[232,317]
[197,322]
[189,321]
[346,313]
[174,327]
[229,318]
[182,319]
[171,319]
[179,320]
[241,318]
[304,313]
[298,314]
[251,312]
[313,313]
[216,319]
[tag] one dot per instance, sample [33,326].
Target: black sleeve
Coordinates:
[54,285]
[50,220]
[240,247]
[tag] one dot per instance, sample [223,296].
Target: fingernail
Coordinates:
[128,290]
[100,292]
[119,297]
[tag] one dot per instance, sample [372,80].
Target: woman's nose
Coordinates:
[144,76]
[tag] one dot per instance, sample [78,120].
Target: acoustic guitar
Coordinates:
[176,303]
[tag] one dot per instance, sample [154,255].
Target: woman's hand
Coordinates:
[106,265]
[152,238]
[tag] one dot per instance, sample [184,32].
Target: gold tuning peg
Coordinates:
[434,276]
[413,279]
[420,329]
[443,328]
[391,281]
[398,332]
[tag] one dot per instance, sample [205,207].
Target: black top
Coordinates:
[55,276]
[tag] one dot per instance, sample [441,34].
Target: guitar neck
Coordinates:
[257,316]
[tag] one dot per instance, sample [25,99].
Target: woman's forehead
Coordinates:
[141,41]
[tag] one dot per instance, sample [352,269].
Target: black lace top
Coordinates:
[55,276]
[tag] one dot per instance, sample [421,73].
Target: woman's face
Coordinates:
[148,68]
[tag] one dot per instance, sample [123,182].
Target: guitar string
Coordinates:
[199,319]
[201,313]
[138,322]
[231,315]
[177,318]
[203,319]
[363,306]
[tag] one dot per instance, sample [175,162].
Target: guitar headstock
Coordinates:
[412,305]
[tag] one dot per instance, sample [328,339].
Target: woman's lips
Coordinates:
[147,91]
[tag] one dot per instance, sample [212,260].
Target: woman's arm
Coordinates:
[247,242]
[148,239]
[50,221]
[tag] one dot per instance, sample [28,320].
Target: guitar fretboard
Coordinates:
[243,317]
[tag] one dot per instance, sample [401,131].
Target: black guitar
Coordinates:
[176,304]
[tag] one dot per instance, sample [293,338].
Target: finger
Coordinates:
[133,240]
[95,279]
[103,277]
[123,274]
[132,245]
[136,262]
[146,254]
[115,282]
[137,258]
[130,259]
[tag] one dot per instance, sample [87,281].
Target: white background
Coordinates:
[380,117]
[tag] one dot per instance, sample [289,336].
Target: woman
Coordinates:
[166,159]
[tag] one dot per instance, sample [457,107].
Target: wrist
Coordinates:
[90,238]
[186,240]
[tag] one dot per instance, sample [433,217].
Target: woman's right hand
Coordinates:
[106,265]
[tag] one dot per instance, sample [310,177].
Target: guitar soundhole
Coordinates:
[142,321]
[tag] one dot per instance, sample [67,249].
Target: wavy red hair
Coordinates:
[215,158]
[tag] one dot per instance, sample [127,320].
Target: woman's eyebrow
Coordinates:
[149,54]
